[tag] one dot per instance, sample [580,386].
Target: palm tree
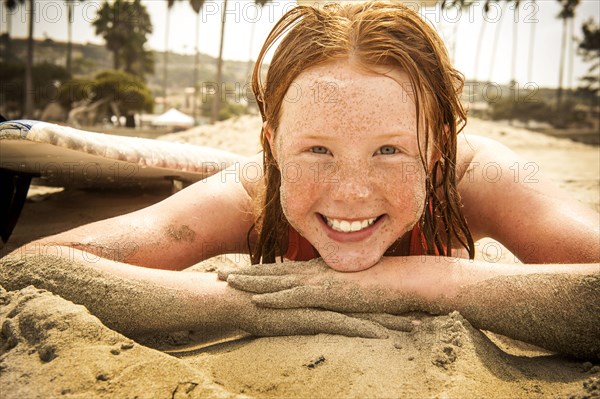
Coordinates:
[260,3]
[197,7]
[567,12]
[29,64]
[252,29]
[7,48]
[589,49]
[478,51]
[531,47]
[217,98]
[11,4]
[125,36]
[169,4]
[513,70]
[495,45]
[28,113]
[486,9]
[571,52]
[70,4]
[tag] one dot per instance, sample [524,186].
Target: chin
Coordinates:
[350,264]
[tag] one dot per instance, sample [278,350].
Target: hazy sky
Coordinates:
[460,29]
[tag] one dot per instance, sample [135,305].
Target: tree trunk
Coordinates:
[217,99]
[495,45]
[116,51]
[531,51]
[69,37]
[250,60]
[116,61]
[196,66]
[166,58]
[478,51]
[561,66]
[250,64]
[513,70]
[130,121]
[29,107]
[571,52]
[8,44]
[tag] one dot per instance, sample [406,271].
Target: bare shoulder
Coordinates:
[528,213]
[473,150]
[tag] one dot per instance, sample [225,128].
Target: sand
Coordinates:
[54,348]
[51,347]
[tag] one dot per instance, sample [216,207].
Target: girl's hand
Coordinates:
[261,321]
[274,322]
[315,285]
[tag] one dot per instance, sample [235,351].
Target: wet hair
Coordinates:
[372,34]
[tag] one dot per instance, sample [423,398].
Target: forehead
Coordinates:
[338,97]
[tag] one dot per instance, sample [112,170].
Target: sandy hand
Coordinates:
[315,285]
[274,322]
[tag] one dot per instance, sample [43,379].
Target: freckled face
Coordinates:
[352,181]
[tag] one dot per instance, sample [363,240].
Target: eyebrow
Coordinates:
[400,133]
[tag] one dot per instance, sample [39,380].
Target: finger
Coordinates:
[311,322]
[296,297]
[261,284]
[393,322]
[258,270]
[338,323]
[224,271]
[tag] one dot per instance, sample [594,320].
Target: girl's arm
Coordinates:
[136,300]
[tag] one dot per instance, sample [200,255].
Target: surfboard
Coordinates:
[53,155]
[66,157]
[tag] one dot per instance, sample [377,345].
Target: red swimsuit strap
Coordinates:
[418,243]
[299,248]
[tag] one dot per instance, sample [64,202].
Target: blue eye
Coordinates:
[387,150]
[319,150]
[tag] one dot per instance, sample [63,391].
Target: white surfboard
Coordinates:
[65,157]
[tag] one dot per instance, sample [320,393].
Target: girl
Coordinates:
[365,166]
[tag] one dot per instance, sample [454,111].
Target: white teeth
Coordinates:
[345,226]
[355,226]
[349,227]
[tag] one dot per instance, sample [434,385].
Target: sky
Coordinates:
[459,28]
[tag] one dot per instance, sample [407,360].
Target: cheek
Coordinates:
[405,188]
[298,192]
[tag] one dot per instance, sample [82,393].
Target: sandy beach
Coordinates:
[51,347]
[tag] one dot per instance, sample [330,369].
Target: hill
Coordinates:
[89,59]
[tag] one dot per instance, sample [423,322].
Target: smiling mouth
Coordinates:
[349,226]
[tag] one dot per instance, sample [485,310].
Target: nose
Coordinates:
[352,182]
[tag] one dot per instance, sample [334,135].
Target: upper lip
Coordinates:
[352,219]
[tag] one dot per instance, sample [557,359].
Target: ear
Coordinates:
[268,132]
[436,153]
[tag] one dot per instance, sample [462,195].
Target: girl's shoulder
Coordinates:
[513,200]
[475,152]
[251,175]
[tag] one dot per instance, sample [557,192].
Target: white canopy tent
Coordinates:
[173,117]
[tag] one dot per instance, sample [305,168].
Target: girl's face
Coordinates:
[352,181]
